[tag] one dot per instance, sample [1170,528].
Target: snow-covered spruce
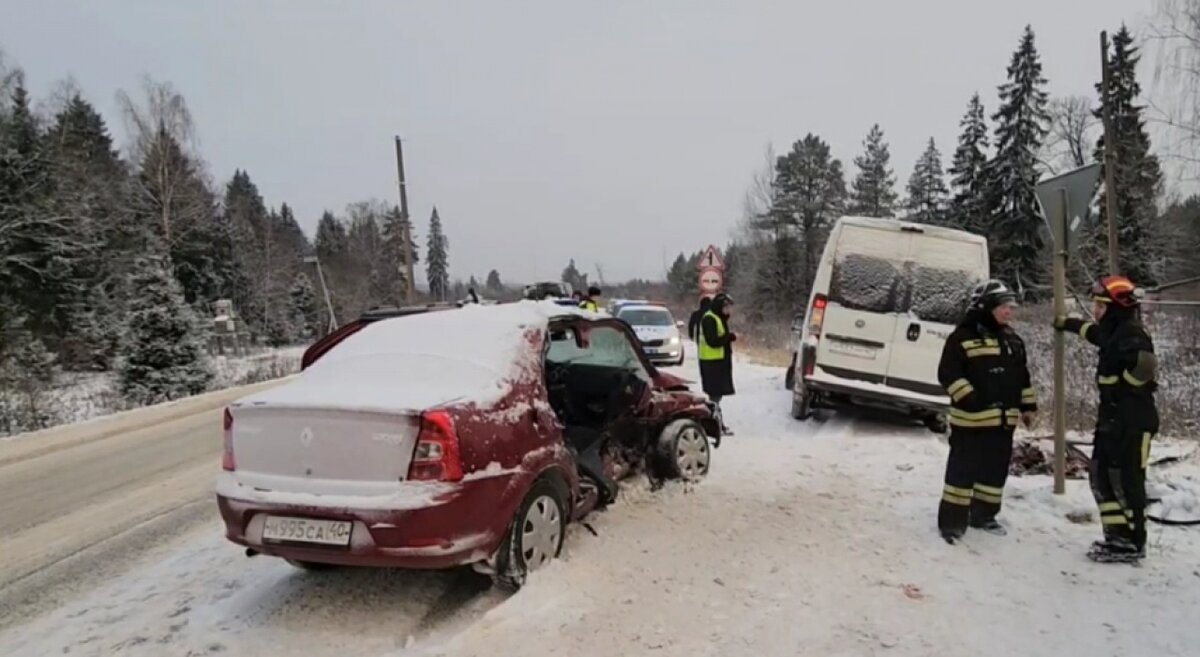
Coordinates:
[162,355]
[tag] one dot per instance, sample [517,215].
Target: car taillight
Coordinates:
[227,462]
[436,457]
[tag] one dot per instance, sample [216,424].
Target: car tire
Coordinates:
[801,402]
[682,357]
[535,536]
[683,451]
[789,379]
[311,566]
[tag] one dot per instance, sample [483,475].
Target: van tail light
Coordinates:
[436,457]
[816,321]
[816,318]
[227,462]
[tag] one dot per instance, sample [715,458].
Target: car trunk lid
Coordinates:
[321,450]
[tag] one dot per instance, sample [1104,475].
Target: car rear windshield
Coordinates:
[643,317]
[880,285]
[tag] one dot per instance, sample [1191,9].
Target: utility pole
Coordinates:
[325,290]
[1110,187]
[409,285]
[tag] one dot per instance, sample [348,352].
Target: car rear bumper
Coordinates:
[463,527]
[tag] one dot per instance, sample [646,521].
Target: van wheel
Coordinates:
[801,403]
[937,424]
[534,538]
[789,379]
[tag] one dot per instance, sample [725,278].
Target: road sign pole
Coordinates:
[1064,200]
[1060,310]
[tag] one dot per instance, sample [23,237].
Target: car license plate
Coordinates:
[279,529]
[853,350]
[651,351]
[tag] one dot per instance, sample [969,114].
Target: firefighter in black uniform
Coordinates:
[1127,419]
[984,371]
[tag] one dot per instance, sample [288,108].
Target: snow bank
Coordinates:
[416,362]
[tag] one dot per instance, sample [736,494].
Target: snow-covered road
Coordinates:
[806,539]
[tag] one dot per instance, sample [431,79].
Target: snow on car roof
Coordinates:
[646,306]
[413,363]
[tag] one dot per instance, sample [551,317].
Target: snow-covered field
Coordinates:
[82,396]
[806,539]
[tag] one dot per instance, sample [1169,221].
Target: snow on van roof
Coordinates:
[896,224]
[469,355]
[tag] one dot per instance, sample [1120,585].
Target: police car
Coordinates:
[657,329]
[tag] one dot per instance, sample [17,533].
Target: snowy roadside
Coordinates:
[807,538]
[83,396]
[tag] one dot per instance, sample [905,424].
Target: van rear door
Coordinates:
[940,272]
[860,319]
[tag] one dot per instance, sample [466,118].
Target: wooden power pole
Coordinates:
[1110,187]
[409,284]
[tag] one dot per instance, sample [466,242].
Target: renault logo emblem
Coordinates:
[306,437]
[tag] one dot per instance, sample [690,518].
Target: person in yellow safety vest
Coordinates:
[715,353]
[985,372]
[592,302]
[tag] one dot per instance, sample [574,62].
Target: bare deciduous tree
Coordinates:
[1072,134]
[171,186]
[1175,30]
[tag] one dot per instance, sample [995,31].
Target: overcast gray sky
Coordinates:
[612,132]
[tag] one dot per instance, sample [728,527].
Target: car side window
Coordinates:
[607,347]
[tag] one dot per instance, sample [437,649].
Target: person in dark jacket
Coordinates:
[715,352]
[697,315]
[984,371]
[1127,418]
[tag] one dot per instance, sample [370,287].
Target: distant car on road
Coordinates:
[461,436]
[660,335]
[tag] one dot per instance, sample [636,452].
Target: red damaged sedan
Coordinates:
[465,436]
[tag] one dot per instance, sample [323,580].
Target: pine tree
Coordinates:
[494,284]
[807,195]
[682,278]
[874,192]
[927,188]
[1137,174]
[162,357]
[437,260]
[303,307]
[246,222]
[1014,234]
[89,181]
[968,209]
[36,246]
